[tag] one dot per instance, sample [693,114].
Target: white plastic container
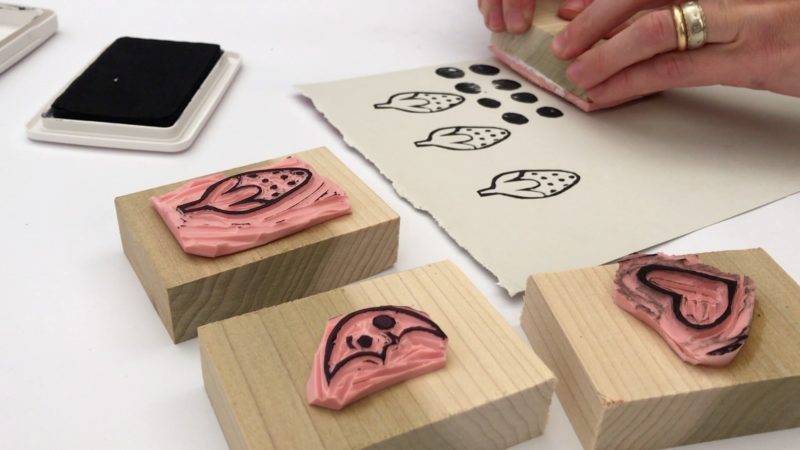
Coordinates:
[176,138]
[22,29]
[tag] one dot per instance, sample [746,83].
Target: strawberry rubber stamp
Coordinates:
[218,215]
[465,138]
[371,349]
[703,313]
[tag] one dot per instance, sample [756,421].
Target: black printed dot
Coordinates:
[273,187]
[489,102]
[561,180]
[383,322]
[283,177]
[506,85]
[524,97]
[549,111]
[292,183]
[265,180]
[549,184]
[450,72]
[364,341]
[571,177]
[275,194]
[468,88]
[552,190]
[516,119]
[484,69]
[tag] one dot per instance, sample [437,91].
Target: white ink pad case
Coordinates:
[22,29]
[139,94]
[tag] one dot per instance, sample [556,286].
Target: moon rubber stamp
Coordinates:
[703,313]
[371,349]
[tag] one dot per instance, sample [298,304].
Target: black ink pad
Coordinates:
[468,88]
[506,85]
[524,97]
[489,102]
[138,82]
[484,69]
[549,111]
[516,119]
[450,72]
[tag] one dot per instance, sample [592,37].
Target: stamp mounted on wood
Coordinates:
[189,291]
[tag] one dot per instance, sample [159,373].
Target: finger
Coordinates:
[594,22]
[571,8]
[654,33]
[518,15]
[713,64]
[493,15]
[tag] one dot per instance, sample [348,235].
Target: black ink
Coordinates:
[506,85]
[364,341]
[422,102]
[450,72]
[733,346]
[468,88]
[516,119]
[529,184]
[524,97]
[465,138]
[392,339]
[549,111]
[484,69]
[489,102]
[252,196]
[676,297]
[383,322]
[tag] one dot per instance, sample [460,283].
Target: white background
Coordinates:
[85,362]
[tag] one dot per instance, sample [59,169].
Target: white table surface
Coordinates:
[84,360]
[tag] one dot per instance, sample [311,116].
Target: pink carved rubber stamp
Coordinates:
[703,313]
[370,349]
[219,215]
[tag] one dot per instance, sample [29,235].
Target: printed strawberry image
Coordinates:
[531,183]
[249,191]
[465,138]
[421,102]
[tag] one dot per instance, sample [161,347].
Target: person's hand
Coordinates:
[749,43]
[514,16]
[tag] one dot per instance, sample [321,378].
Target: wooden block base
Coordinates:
[189,291]
[493,393]
[621,385]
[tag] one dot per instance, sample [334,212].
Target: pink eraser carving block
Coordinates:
[371,349]
[703,313]
[219,215]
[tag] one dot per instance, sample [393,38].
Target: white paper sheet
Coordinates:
[643,173]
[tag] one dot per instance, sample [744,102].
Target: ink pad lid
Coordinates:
[139,94]
[22,29]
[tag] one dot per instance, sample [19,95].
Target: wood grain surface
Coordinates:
[188,291]
[493,393]
[623,387]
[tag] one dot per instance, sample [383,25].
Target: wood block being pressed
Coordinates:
[623,387]
[189,291]
[492,393]
[529,54]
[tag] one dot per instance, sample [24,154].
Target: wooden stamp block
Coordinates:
[189,291]
[493,392]
[622,386]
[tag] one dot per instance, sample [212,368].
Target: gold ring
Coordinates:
[680,27]
[695,22]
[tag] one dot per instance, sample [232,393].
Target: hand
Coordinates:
[514,16]
[749,43]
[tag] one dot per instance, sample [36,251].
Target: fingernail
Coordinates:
[496,23]
[514,20]
[572,5]
[559,44]
[575,72]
